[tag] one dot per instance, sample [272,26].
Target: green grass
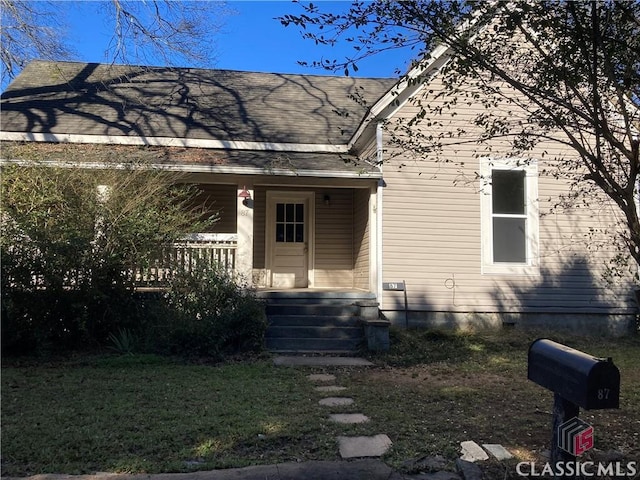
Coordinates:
[432,391]
[447,388]
[126,415]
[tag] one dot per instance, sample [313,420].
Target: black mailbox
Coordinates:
[589,382]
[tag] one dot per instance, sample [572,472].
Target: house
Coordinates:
[317,207]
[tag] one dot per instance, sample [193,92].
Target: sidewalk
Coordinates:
[368,469]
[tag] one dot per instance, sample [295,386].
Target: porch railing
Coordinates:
[210,248]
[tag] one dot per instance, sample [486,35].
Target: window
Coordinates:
[509,216]
[290,222]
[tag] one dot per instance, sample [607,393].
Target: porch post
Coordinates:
[244,252]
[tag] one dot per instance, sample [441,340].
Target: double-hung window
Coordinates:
[509,208]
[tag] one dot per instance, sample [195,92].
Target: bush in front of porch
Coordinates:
[206,312]
[71,238]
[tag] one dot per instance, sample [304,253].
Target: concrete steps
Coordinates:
[312,321]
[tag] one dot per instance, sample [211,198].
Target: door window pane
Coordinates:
[290,222]
[509,240]
[508,192]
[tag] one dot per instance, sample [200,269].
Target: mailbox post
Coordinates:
[563,411]
[577,380]
[399,287]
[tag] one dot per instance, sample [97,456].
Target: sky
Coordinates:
[250,39]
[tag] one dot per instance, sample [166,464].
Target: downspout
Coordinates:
[381,184]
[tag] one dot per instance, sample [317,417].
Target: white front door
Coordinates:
[289,238]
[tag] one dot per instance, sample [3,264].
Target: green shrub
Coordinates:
[208,313]
[123,342]
[69,244]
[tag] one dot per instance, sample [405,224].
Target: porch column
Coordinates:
[244,252]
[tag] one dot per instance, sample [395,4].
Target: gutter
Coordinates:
[194,168]
[173,142]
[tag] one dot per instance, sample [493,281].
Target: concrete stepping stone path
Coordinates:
[330,388]
[497,450]
[348,418]
[472,452]
[321,361]
[355,447]
[378,445]
[350,447]
[336,401]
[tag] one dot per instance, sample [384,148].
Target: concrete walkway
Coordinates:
[368,469]
[299,361]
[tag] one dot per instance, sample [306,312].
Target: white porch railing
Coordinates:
[210,248]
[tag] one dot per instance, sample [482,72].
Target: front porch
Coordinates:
[308,251]
[283,237]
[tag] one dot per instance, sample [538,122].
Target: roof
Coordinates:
[88,99]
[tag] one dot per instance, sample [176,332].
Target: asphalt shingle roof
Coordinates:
[97,99]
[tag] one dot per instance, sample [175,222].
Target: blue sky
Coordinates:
[251,39]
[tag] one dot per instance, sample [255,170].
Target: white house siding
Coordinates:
[334,239]
[432,241]
[361,238]
[221,199]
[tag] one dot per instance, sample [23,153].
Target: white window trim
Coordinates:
[530,167]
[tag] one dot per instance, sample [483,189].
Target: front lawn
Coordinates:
[432,391]
[145,414]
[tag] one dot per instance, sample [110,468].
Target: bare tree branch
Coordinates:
[153,32]
[574,68]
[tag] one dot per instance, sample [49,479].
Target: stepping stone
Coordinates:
[330,388]
[348,418]
[353,447]
[497,451]
[336,401]
[321,361]
[472,452]
[321,377]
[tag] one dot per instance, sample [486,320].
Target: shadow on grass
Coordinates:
[426,346]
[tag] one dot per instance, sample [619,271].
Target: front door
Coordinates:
[289,229]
